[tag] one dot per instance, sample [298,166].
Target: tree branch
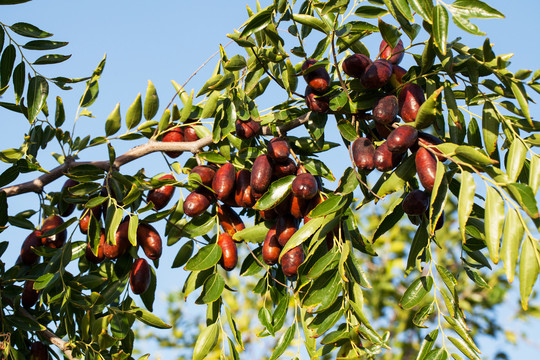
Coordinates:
[151,146]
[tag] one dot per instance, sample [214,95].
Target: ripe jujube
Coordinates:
[291,260]
[175,134]
[32,241]
[161,196]
[410,98]
[386,109]
[402,138]
[229,254]
[285,168]
[426,168]
[286,226]
[100,256]
[150,241]
[377,74]
[362,152]
[114,251]
[394,55]
[271,248]
[415,203]
[29,296]
[223,182]
[355,65]
[39,351]
[247,129]
[57,240]
[261,174]
[139,277]
[318,79]
[65,208]
[229,220]
[279,150]
[197,201]
[316,101]
[385,160]
[206,173]
[305,186]
[84,222]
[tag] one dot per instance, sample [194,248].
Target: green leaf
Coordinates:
[464,348]
[490,127]
[516,159]
[348,182]
[283,342]
[331,205]
[466,25]
[370,11]
[440,27]
[6,65]
[493,220]
[134,113]
[416,292]
[12,2]
[151,102]
[19,77]
[44,45]
[29,30]
[113,122]
[476,155]
[253,234]
[427,344]
[389,219]
[424,8]
[257,22]
[38,89]
[212,289]
[304,233]
[183,255]
[521,96]
[404,172]
[427,113]
[389,33]
[512,235]
[312,22]
[465,201]
[51,59]
[421,315]
[528,270]
[210,105]
[237,62]
[404,9]
[534,174]
[148,318]
[206,341]
[476,9]
[524,195]
[207,257]
[277,191]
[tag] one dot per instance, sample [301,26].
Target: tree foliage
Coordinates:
[337,284]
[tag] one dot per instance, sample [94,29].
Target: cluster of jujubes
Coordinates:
[185,133]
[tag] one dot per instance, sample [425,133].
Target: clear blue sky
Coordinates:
[168,40]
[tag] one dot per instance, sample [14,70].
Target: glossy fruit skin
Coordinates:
[206,173]
[279,150]
[229,220]
[284,169]
[29,296]
[318,79]
[38,351]
[383,130]
[261,174]
[268,214]
[223,183]
[415,203]
[299,207]
[242,189]
[426,168]
[247,129]
[429,140]
[28,256]
[291,260]
[410,98]
[175,134]
[54,241]
[84,222]
[65,208]
[362,152]
[316,101]
[394,55]
[139,277]
[402,138]
[286,226]
[229,254]
[377,74]
[305,186]
[190,134]
[161,196]
[386,109]
[396,80]
[385,160]
[197,202]
[271,248]
[150,241]
[355,65]
[122,242]
[89,254]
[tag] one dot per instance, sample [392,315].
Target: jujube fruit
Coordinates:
[150,241]
[84,222]
[286,226]
[396,80]
[355,65]
[242,189]
[410,98]
[247,129]
[261,174]
[279,150]
[139,277]
[32,241]
[223,183]
[100,256]
[377,74]
[190,134]
[175,134]
[362,152]
[29,296]
[386,109]
[305,186]
[430,140]
[57,240]
[285,168]
[415,203]
[64,207]
[318,79]
[385,160]
[38,351]
[383,130]
[197,202]
[114,251]
[299,207]
[161,196]
[229,220]
[291,260]
[206,173]
[402,138]
[229,254]
[271,248]
[426,168]
[268,214]
[394,55]
[316,101]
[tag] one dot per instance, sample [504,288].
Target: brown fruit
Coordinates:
[386,109]
[206,173]
[383,130]
[175,134]
[190,134]
[38,351]
[65,208]
[197,202]
[268,214]
[112,251]
[394,55]
[150,241]
[57,240]
[402,138]
[286,226]
[223,183]
[161,196]
[247,129]
[355,65]
[229,220]
[229,255]
[139,277]
[397,76]
[279,150]
[261,174]
[89,254]
[385,160]
[316,101]
[271,248]
[299,207]
[426,168]
[429,140]
[291,260]
[242,191]
[32,241]
[285,168]
[305,186]
[415,203]
[362,151]
[29,296]
[410,98]
[377,74]
[284,206]
[84,222]
[318,79]
[312,205]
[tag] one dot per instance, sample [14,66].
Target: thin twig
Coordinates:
[264,267]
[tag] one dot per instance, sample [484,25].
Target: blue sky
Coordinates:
[168,40]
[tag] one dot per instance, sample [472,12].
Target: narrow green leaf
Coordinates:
[29,30]
[477,9]
[404,9]
[490,127]
[151,102]
[534,173]
[370,11]
[524,195]
[186,111]
[427,344]
[427,113]
[389,33]
[283,342]
[44,45]
[312,22]
[511,242]
[212,289]
[38,89]
[207,257]
[424,8]
[304,233]
[60,114]
[134,113]
[528,270]
[521,96]
[257,22]
[277,191]
[253,234]
[465,201]
[476,155]
[516,159]
[113,122]
[51,59]
[421,315]
[416,292]
[206,341]
[440,27]
[464,348]
[493,220]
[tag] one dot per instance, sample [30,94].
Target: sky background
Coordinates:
[168,40]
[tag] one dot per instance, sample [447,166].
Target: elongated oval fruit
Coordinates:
[299,207]
[318,79]
[100,256]
[286,226]
[385,160]
[355,65]
[288,167]
[206,173]
[84,222]
[161,196]
[57,240]
[377,74]
[362,151]
[247,129]
[386,109]
[32,241]
[242,189]
[229,254]
[430,140]
[383,130]
[139,277]
[279,150]
[223,183]
[316,101]
[190,134]
[268,214]
[394,55]
[402,138]
[114,251]
[305,186]
[415,203]
[197,202]
[291,260]
[229,220]
[39,351]
[426,168]
[396,80]
[261,174]
[65,208]
[271,248]
[29,296]
[150,241]
[175,134]
[410,98]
